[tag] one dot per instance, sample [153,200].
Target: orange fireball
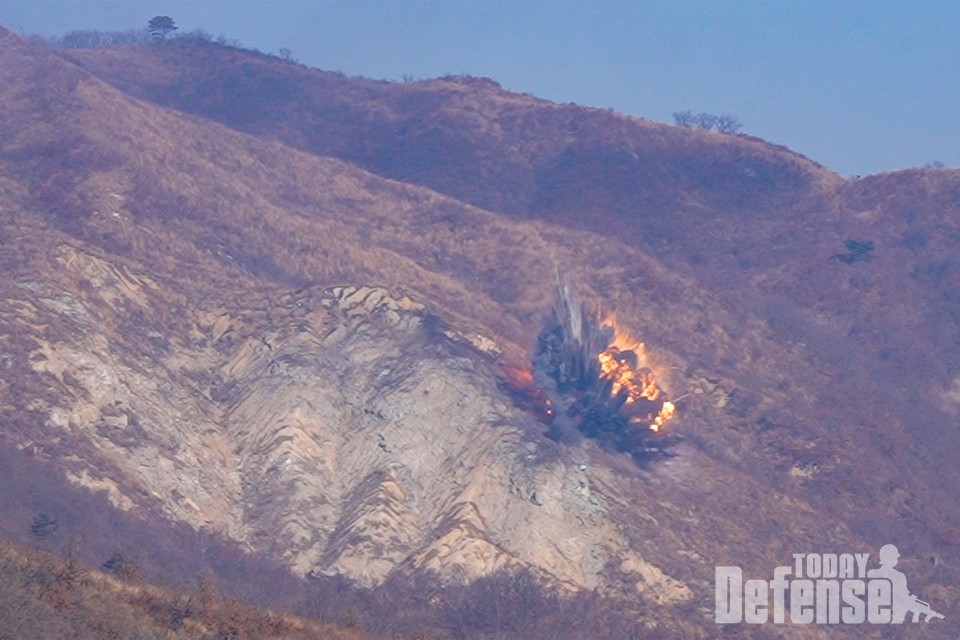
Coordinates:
[620,364]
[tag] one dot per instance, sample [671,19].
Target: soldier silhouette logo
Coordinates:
[902,601]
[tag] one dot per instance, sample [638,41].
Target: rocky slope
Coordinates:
[309,359]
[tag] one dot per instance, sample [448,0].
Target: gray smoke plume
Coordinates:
[567,370]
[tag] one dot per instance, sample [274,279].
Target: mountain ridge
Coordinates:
[162,255]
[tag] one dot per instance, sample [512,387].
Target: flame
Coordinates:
[622,338]
[519,379]
[614,366]
[621,363]
[664,416]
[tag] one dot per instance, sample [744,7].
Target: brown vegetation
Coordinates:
[823,391]
[44,596]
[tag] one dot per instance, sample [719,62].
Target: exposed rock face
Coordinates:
[352,434]
[378,443]
[171,333]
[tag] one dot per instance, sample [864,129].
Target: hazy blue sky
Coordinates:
[861,87]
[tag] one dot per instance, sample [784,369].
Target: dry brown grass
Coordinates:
[717,248]
[44,596]
[472,140]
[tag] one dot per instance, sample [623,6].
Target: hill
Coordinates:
[468,138]
[43,596]
[231,303]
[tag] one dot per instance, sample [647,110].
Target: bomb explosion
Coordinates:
[594,384]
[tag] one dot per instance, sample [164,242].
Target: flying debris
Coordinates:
[594,383]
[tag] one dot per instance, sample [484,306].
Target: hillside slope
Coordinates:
[468,138]
[306,357]
[42,596]
[763,227]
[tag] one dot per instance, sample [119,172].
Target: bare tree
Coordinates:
[684,118]
[727,123]
[91,39]
[724,123]
[705,121]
